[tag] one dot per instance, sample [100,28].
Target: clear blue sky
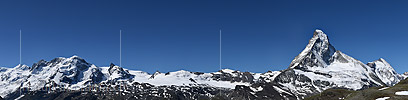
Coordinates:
[170,35]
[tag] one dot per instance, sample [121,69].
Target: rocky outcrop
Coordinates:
[117,72]
[233,76]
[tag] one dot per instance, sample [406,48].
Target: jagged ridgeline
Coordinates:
[396,92]
[317,68]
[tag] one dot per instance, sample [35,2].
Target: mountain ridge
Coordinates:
[318,67]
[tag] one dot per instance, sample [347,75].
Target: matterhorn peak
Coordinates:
[318,37]
[319,34]
[319,48]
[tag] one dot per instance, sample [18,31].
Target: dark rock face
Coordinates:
[237,77]
[298,80]
[266,92]
[339,58]
[136,91]
[198,73]
[39,64]
[154,74]
[96,76]
[242,92]
[286,76]
[372,84]
[322,84]
[325,48]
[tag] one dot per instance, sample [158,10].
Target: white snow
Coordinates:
[256,76]
[401,93]
[12,79]
[383,98]
[18,98]
[280,90]
[256,89]
[227,70]
[217,73]
[383,88]
[182,78]
[55,72]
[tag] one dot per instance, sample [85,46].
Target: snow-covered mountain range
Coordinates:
[320,66]
[317,68]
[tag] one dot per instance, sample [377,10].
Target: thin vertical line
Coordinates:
[220,63]
[20,55]
[20,47]
[220,51]
[120,48]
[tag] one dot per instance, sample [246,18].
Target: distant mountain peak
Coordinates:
[62,60]
[111,65]
[382,60]
[118,72]
[75,57]
[113,68]
[155,74]
[22,67]
[385,72]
